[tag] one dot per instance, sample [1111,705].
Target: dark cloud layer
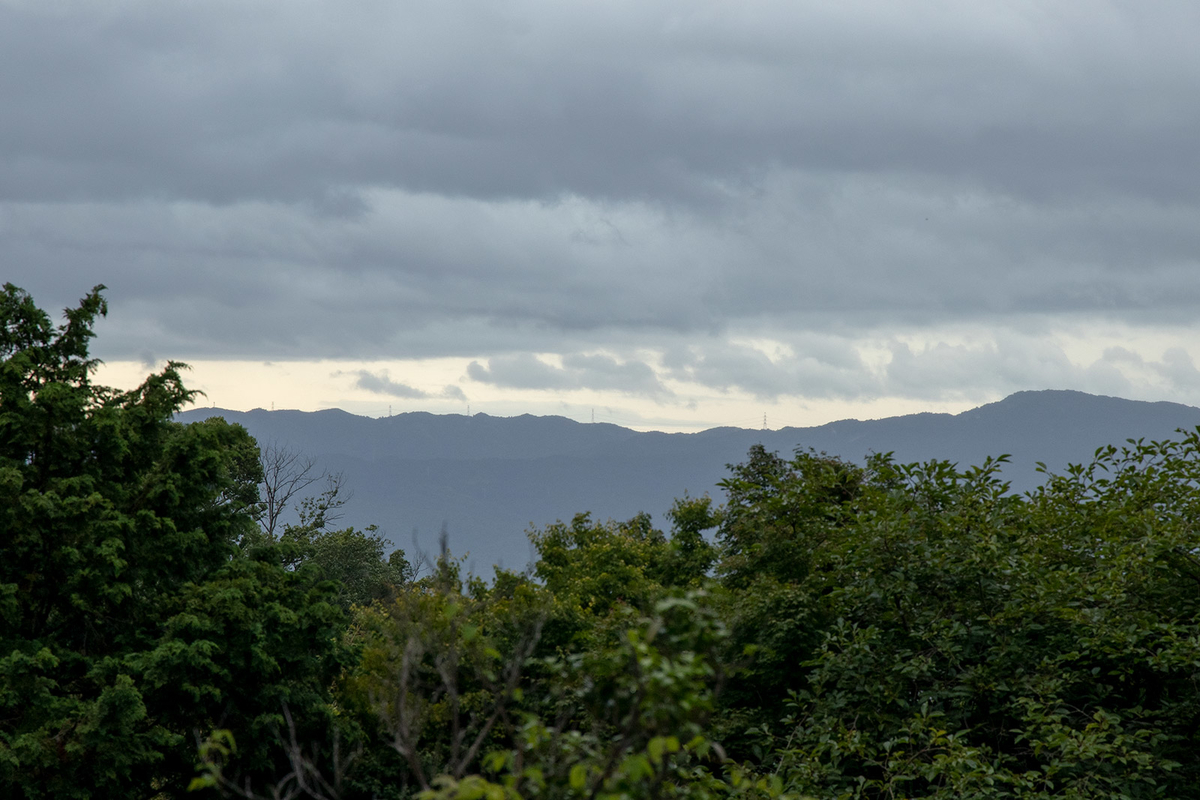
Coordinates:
[380,383]
[439,177]
[579,371]
[226,101]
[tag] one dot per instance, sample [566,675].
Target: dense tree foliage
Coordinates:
[131,615]
[833,630]
[957,640]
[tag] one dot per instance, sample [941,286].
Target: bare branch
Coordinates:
[286,473]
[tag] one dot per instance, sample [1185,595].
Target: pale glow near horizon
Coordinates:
[1136,363]
[318,385]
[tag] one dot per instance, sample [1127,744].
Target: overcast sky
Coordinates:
[679,213]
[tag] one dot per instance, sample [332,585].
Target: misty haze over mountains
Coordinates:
[488,479]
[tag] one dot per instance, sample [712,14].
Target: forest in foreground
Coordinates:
[826,630]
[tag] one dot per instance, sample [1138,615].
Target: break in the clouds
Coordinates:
[619,196]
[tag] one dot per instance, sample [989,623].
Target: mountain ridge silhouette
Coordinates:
[488,479]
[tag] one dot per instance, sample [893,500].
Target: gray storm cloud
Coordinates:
[384,180]
[380,383]
[226,100]
[579,371]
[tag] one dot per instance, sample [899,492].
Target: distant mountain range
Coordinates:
[488,479]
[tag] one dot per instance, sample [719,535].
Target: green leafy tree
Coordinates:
[953,639]
[128,616]
[691,556]
[355,560]
[595,567]
[596,570]
[625,720]
[781,533]
[440,674]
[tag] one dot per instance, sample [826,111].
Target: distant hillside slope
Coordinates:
[489,478]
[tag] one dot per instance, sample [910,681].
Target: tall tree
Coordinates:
[128,617]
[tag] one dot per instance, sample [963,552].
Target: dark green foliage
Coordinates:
[781,514]
[783,529]
[439,674]
[128,617]
[626,720]
[691,557]
[963,641]
[353,559]
[249,641]
[909,630]
[596,567]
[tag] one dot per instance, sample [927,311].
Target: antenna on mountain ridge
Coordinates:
[764,420]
